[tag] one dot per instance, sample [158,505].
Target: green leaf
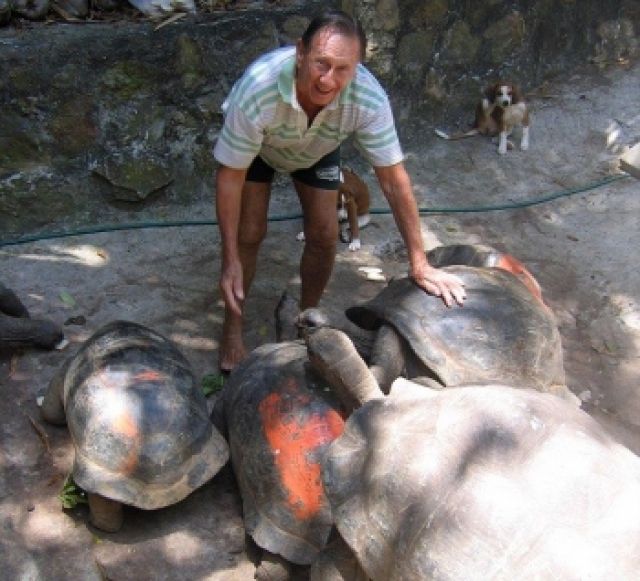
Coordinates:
[71,494]
[67,299]
[212,383]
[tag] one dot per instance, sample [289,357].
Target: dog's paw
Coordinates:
[354,245]
[502,150]
[300,237]
[524,145]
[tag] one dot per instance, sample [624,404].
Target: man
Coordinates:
[289,112]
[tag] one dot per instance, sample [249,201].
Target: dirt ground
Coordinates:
[580,247]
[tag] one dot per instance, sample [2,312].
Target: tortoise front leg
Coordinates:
[272,567]
[52,409]
[106,514]
[336,562]
[10,304]
[17,331]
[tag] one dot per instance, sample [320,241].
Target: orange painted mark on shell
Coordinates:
[149,375]
[293,444]
[125,424]
[514,266]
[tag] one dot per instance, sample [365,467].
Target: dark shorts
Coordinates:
[324,174]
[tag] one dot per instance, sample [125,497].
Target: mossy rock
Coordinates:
[415,52]
[73,127]
[34,200]
[134,179]
[189,63]
[426,14]
[387,15]
[294,26]
[505,37]
[460,45]
[21,144]
[126,79]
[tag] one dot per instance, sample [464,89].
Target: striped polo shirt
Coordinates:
[263,117]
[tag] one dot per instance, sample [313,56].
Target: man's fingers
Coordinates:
[234,305]
[430,287]
[449,288]
[459,295]
[233,295]
[238,293]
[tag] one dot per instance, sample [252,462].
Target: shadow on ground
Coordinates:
[580,247]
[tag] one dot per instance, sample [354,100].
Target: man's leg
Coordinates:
[319,208]
[253,228]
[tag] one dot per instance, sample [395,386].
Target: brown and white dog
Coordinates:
[501,110]
[353,208]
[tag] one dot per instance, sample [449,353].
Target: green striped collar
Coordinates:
[286,81]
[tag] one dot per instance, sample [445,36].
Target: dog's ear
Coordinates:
[516,95]
[490,93]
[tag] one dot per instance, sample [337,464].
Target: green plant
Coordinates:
[212,383]
[71,494]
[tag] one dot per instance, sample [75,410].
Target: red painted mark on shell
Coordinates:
[514,266]
[293,443]
[149,375]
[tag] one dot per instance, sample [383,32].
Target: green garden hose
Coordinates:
[435,210]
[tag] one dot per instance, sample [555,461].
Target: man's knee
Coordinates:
[322,237]
[251,233]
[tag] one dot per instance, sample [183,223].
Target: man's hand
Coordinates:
[229,183]
[441,284]
[231,286]
[396,185]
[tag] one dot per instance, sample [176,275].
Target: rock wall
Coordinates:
[112,122]
[436,56]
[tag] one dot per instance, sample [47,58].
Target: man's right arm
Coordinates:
[229,183]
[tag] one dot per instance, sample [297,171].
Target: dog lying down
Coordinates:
[353,208]
[501,110]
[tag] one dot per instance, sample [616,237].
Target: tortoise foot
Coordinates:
[106,514]
[273,568]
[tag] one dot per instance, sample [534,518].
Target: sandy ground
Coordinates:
[580,247]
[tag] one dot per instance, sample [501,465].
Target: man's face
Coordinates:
[325,69]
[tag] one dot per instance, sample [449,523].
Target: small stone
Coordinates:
[585,396]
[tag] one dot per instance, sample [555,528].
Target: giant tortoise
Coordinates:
[138,420]
[280,416]
[479,482]
[503,333]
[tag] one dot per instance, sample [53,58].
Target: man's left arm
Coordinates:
[396,186]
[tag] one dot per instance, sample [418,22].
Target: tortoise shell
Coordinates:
[281,417]
[503,333]
[138,419]
[493,482]
[481,255]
